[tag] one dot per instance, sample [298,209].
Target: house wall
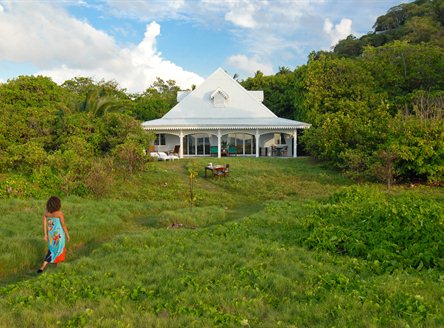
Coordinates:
[170,142]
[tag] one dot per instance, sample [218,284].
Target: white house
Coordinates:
[221,118]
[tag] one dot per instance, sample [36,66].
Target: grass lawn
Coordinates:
[268,246]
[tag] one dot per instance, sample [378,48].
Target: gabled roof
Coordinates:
[241,109]
[198,104]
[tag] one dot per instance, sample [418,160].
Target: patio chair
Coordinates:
[284,151]
[213,151]
[176,150]
[223,172]
[232,151]
[227,170]
[174,154]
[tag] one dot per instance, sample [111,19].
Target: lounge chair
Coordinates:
[161,156]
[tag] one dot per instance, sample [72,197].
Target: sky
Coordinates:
[134,42]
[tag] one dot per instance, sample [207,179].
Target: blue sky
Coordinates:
[133,42]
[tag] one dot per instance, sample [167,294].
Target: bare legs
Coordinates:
[42,268]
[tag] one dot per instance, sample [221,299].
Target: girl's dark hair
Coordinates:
[53,204]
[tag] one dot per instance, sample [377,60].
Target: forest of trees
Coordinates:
[375,105]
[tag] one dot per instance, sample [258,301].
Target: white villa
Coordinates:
[221,118]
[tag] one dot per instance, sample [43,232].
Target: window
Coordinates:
[197,144]
[160,140]
[219,100]
[219,97]
[245,143]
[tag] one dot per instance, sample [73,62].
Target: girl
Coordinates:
[55,232]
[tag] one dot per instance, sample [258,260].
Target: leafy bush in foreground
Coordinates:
[393,232]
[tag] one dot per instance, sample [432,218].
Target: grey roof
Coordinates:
[241,109]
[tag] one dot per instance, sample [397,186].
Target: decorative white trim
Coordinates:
[173,128]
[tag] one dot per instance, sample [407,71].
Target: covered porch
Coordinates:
[222,142]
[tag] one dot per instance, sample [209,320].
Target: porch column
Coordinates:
[181,144]
[295,143]
[257,143]
[219,136]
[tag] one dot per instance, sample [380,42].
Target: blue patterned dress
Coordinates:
[56,241]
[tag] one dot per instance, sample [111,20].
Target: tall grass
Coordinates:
[237,259]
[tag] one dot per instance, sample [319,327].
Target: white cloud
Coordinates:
[42,34]
[339,31]
[148,10]
[265,28]
[63,47]
[249,65]
[268,29]
[241,14]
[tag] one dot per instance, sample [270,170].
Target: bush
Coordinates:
[100,177]
[420,148]
[391,232]
[130,155]
[24,157]
[16,186]
[46,181]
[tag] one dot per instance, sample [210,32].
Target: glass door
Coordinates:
[203,146]
[190,145]
[197,145]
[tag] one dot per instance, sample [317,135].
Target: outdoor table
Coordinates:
[213,168]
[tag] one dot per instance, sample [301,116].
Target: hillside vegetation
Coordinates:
[375,103]
[277,243]
[416,22]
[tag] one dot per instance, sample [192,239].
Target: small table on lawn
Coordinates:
[213,169]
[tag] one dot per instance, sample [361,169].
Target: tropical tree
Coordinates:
[156,101]
[97,102]
[32,91]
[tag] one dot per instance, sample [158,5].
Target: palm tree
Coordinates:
[97,102]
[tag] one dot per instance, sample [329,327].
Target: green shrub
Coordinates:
[47,181]
[99,179]
[24,157]
[16,186]
[420,148]
[130,155]
[391,232]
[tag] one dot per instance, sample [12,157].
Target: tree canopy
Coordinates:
[417,22]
